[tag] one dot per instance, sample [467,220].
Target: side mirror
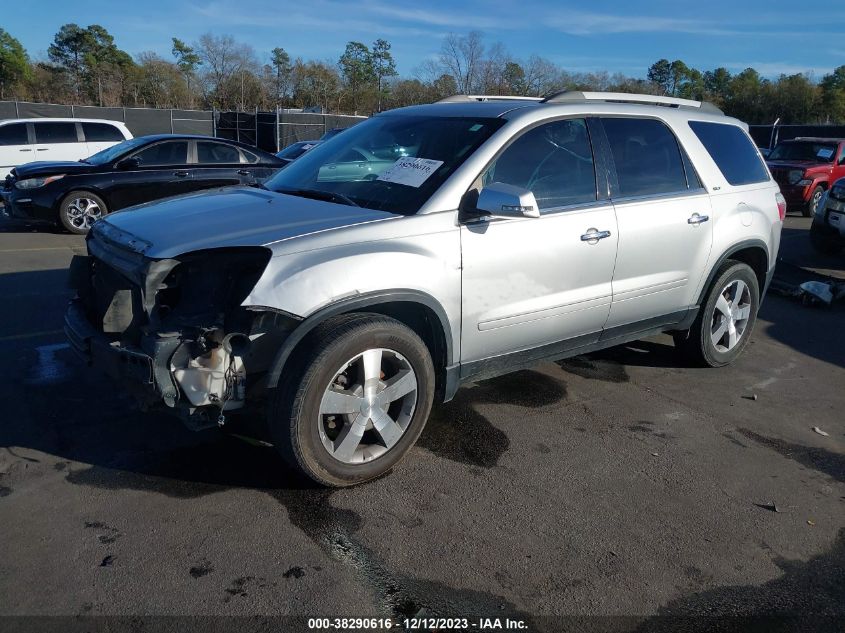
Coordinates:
[128,164]
[506,201]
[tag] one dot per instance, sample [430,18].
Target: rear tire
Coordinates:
[362,395]
[726,319]
[79,210]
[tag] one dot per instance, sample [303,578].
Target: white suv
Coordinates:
[47,139]
[425,248]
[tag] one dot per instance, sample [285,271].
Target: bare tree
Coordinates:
[462,57]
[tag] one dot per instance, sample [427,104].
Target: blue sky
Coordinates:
[774,37]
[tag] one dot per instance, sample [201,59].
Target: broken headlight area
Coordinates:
[207,354]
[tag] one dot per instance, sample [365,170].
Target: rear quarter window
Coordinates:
[101,132]
[732,151]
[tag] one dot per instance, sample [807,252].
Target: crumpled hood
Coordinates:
[239,216]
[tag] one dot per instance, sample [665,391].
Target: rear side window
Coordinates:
[217,153]
[732,151]
[13,134]
[101,132]
[249,157]
[647,157]
[55,133]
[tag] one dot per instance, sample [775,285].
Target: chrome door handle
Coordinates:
[695,218]
[181,174]
[592,236]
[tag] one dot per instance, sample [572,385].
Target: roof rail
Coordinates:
[576,96]
[463,98]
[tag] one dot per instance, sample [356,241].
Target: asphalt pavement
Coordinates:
[621,489]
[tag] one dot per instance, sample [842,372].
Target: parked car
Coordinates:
[295,150]
[514,230]
[827,233]
[76,194]
[26,140]
[332,133]
[804,167]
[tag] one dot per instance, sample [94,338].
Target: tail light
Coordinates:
[781,204]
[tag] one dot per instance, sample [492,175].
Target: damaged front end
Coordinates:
[173,331]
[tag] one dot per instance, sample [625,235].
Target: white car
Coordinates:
[27,140]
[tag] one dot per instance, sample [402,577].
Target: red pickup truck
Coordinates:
[805,167]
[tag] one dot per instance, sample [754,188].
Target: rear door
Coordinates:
[839,165]
[15,148]
[100,136]
[218,165]
[163,171]
[665,232]
[58,141]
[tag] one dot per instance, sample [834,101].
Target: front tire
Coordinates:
[810,210]
[361,399]
[79,210]
[725,321]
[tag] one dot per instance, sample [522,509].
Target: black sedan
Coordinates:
[129,173]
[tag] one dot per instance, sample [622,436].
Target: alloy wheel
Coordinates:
[83,212]
[730,318]
[367,406]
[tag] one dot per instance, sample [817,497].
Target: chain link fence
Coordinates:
[767,136]
[270,131]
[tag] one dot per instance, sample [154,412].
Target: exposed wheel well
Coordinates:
[756,258]
[425,322]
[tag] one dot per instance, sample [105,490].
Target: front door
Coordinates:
[163,171]
[540,282]
[663,214]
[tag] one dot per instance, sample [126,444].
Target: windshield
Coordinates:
[804,150]
[115,151]
[389,162]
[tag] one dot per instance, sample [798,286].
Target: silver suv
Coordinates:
[424,248]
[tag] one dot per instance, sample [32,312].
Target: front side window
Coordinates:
[53,132]
[210,153]
[647,157]
[554,161]
[101,133]
[391,162]
[732,151]
[13,134]
[167,153]
[114,152]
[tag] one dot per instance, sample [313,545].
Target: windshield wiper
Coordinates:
[316,194]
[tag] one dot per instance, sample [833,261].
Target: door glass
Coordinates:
[554,161]
[48,133]
[647,157]
[249,157]
[13,134]
[101,132]
[217,153]
[168,153]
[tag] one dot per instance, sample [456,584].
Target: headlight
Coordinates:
[32,183]
[794,176]
[838,192]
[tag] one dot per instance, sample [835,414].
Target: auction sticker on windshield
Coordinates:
[410,171]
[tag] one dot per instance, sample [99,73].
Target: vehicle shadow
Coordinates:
[9,225]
